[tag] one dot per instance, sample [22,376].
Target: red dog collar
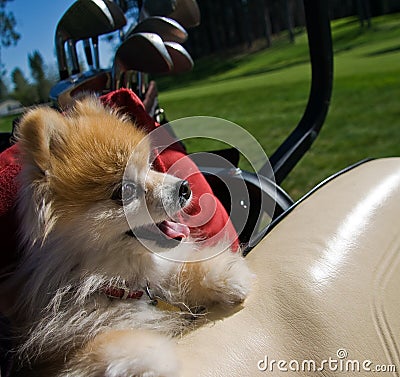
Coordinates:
[121,293]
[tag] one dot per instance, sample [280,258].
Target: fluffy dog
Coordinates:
[82,307]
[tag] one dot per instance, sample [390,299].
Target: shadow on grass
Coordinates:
[204,68]
[211,72]
[384,51]
[348,40]
[269,69]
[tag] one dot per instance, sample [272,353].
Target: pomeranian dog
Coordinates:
[87,284]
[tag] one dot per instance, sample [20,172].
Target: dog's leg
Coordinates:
[125,353]
[224,279]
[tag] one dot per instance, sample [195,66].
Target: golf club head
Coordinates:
[83,20]
[167,28]
[187,13]
[65,92]
[181,59]
[158,7]
[142,52]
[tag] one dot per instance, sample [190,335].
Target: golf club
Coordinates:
[64,92]
[95,44]
[167,28]
[157,8]
[85,19]
[87,47]
[71,46]
[118,20]
[142,52]
[181,59]
[187,13]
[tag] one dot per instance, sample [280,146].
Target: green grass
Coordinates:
[266,93]
[6,123]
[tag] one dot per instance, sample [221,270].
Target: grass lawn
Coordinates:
[6,123]
[266,93]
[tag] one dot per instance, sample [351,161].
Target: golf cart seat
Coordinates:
[327,280]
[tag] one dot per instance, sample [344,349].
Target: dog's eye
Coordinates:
[125,193]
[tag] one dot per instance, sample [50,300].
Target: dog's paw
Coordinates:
[227,279]
[129,353]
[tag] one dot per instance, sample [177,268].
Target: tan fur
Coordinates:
[87,160]
[75,242]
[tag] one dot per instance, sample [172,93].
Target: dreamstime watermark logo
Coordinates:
[339,363]
[158,216]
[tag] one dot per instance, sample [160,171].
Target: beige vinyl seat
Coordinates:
[327,288]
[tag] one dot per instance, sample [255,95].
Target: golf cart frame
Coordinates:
[300,140]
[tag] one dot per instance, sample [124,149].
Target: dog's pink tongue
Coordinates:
[174,230]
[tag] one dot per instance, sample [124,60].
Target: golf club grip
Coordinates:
[74,56]
[88,52]
[95,44]
[61,57]
[150,97]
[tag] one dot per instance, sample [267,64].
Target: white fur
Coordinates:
[137,352]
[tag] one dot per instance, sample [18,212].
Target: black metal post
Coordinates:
[299,141]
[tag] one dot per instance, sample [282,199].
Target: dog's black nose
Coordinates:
[184,192]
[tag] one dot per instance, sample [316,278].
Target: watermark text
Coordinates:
[340,363]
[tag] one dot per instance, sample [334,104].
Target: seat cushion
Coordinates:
[327,286]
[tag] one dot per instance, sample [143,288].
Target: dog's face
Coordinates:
[86,173]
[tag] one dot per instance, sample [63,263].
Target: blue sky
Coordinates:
[36,22]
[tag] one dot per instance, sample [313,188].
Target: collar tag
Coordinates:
[160,303]
[166,306]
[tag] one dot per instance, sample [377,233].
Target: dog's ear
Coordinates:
[40,131]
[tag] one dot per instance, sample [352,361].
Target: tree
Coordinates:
[42,84]
[289,19]
[3,90]
[23,91]
[8,34]
[267,22]
[364,13]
